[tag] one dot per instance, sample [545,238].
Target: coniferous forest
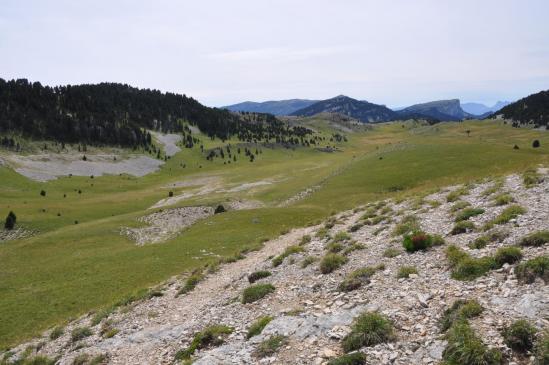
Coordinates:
[118,114]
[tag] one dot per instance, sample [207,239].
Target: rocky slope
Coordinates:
[311,310]
[275,107]
[443,110]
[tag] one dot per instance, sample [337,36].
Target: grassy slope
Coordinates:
[69,269]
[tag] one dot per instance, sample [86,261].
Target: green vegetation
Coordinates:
[255,276]
[407,225]
[528,271]
[511,212]
[255,292]
[368,329]
[308,261]
[355,279]
[465,267]
[462,227]
[355,358]
[405,271]
[456,194]
[467,213]
[331,262]
[103,263]
[417,241]
[531,178]
[334,247]
[353,247]
[341,237]
[190,283]
[391,252]
[535,239]
[257,327]
[304,240]
[465,348]
[461,309]
[520,335]
[270,346]
[478,243]
[507,255]
[209,337]
[503,199]
[79,333]
[56,332]
[11,219]
[459,205]
[541,350]
[290,250]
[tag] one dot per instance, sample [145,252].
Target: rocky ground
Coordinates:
[313,313]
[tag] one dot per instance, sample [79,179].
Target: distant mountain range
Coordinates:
[441,110]
[533,109]
[480,109]
[362,110]
[275,107]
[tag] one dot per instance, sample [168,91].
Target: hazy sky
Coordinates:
[221,52]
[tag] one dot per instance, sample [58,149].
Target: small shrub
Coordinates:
[255,276]
[355,358]
[417,241]
[454,255]
[467,213]
[290,250]
[496,236]
[507,255]
[211,336]
[520,336]
[170,194]
[270,346]
[334,247]
[356,227]
[459,205]
[190,283]
[511,212]
[437,240]
[305,239]
[255,292]
[11,219]
[405,271]
[462,227]
[471,268]
[331,262]
[465,348]
[353,247]
[42,193]
[478,243]
[308,261]
[541,350]
[535,143]
[535,239]
[79,333]
[341,237]
[321,233]
[531,178]
[528,271]
[456,194]
[459,310]
[503,199]
[391,252]
[368,329]
[257,327]
[349,284]
[56,333]
[407,225]
[219,209]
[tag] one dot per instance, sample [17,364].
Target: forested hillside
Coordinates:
[532,109]
[118,114]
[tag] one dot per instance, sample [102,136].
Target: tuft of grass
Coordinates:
[507,255]
[334,247]
[331,262]
[535,239]
[531,178]
[322,232]
[391,252]
[353,247]
[190,283]
[270,346]
[528,271]
[290,250]
[56,333]
[462,227]
[467,213]
[493,189]
[511,212]
[405,271]
[466,348]
[437,240]
[541,350]
[478,243]
[304,240]
[456,194]
[257,275]
[257,327]
[356,227]
[407,225]
[459,205]
[417,241]
[341,236]
[465,267]
[357,278]
[308,261]
[355,358]
[209,337]
[459,310]
[368,329]
[255,292]
[520,336]
[503,199]
[79,333]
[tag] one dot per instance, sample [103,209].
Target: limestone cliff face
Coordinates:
[444,110]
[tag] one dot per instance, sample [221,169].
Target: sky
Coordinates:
[392,52]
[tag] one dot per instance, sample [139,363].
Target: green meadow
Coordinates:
[68,269]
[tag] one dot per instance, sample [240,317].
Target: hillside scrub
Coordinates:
[331,262]
[520,335]
[255,292]
[531,178]
[368,329]
[258,326]
[407,225]
[290,250]
[456,194]
[466,348]
[462,227]
[417,241]
[459,310]
[257,275]
[528,271]
[270,346]
[467,213]
[355,358]
[209,337]
[406,271]
[536,239]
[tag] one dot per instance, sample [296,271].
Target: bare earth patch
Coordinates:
[14,234]
[165,224]
[50,166]
[169,141]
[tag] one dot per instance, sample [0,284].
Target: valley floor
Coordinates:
[310,309]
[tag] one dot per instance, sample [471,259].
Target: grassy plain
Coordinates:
[68,269]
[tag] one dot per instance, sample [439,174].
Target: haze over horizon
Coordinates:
[395,54]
